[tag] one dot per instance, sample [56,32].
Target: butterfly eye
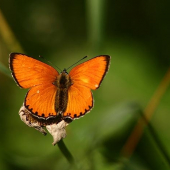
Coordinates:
[64,71]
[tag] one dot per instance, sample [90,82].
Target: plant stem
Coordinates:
[66,152]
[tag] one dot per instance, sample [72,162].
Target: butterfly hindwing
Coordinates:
[40,100]
[80,101]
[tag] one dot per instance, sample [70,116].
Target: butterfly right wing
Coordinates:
[85,76]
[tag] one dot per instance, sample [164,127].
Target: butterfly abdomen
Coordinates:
[63,82]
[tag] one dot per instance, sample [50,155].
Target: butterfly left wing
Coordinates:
[39,77]
[85,76]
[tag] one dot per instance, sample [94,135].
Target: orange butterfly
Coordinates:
[52,93]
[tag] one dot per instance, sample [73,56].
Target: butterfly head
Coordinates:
[63,80]
[64,71]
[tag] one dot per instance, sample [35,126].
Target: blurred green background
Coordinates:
[136,34]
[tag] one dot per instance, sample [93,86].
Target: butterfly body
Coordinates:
[63,83]
[52,94]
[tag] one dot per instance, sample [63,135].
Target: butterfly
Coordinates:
[52,93]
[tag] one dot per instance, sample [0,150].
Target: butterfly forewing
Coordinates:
[91,72]
[29,72]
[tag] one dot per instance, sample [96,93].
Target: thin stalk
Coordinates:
[137,132]
[8,36]
[5,70]
[156,138]
[95,22]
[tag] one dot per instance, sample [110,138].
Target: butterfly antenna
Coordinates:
[50,62]
[76,62]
